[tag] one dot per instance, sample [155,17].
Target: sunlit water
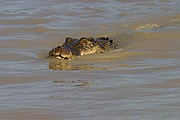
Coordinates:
[138,81]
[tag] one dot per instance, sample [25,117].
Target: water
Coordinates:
[139,82]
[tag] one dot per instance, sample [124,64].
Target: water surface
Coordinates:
[139,82]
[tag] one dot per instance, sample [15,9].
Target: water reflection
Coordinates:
[56,64]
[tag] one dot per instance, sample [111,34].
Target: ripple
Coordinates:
[25,21]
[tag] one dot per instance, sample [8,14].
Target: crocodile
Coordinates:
[83,46]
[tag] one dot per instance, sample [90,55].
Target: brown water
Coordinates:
[140,82]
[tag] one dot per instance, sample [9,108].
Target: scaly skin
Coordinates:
[83,46]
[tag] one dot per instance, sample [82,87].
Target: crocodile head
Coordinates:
[83,46]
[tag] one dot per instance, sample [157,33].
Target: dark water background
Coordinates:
[140,82]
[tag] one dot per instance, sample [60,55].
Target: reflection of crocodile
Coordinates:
[83,46]
[67,65]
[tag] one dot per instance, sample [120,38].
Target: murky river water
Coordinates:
[140,82]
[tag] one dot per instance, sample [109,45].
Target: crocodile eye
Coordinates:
[82,38]
[107,38]
[103,38]
[91,38]
[68,39]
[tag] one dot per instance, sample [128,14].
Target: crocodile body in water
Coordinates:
[83,46]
